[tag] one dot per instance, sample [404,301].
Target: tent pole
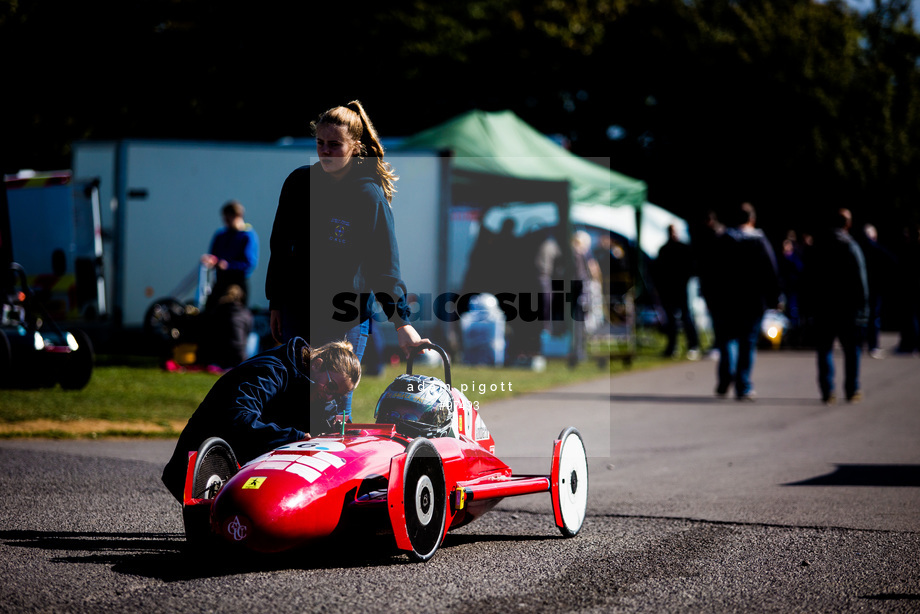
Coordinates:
[636,267]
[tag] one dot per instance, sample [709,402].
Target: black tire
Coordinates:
[78,368]
[214,467]
[425,499]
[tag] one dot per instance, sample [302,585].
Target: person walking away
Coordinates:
[673,270]
[839,289]
[746,284]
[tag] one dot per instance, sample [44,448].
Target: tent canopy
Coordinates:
[504,145]
[654,231]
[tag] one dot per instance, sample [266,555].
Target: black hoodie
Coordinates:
[333,247]
[255,407]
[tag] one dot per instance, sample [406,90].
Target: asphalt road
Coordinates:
[696,504]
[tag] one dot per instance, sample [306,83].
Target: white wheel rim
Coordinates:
[573,482]
[424,500]
[213,486]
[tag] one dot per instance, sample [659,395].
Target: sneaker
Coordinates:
[693,354]
[877,353]
[856,397]
[747,396]
[829,399]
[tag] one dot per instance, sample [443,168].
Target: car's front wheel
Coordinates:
[425,498]
[570,482]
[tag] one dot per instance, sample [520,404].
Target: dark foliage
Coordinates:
[795,106]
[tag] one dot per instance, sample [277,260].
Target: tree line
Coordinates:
[796,106]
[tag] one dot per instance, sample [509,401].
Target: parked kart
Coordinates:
[374,477]
[34,351]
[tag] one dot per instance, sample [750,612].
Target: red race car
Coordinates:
[427,466]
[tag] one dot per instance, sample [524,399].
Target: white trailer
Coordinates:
[55,236]
[161,206]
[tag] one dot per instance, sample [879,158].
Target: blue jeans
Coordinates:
[737,346]
[851,337]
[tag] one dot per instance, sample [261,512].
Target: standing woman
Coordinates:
[333,244]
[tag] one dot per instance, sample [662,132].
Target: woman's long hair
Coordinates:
[354,118]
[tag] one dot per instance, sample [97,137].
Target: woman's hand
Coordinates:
[408,338]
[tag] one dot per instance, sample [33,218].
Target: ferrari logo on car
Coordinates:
[253,483]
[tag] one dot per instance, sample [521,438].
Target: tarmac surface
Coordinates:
[696,504]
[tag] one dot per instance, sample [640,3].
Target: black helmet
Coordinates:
[419,406]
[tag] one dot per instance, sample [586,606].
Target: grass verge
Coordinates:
[138,399]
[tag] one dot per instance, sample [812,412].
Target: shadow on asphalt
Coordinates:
[168,557]
[866,475]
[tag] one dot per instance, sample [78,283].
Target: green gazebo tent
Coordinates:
[503,145]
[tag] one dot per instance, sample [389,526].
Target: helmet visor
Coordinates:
[391,410]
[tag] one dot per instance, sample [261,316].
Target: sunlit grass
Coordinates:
[146,394]
[136,392]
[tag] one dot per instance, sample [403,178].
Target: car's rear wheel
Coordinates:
[425,498]
[570,493]
[215,464]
